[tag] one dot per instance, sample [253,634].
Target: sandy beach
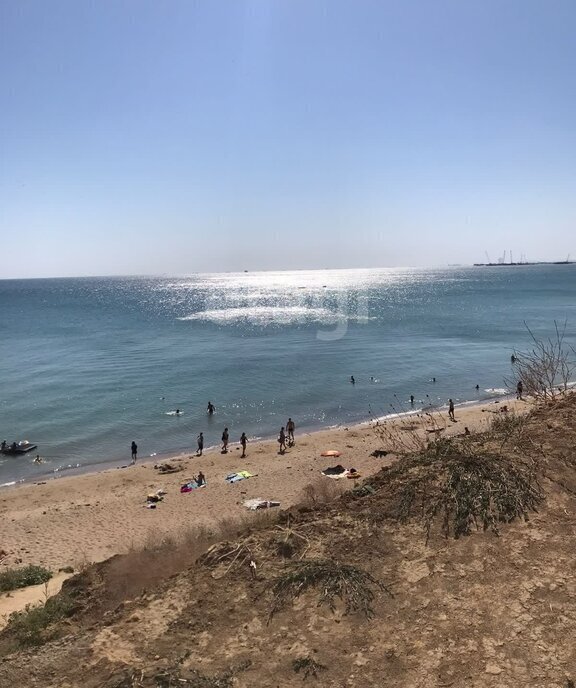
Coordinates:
[72,520]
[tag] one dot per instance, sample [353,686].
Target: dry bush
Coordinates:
[411,433]
[289,542]
[322,491]
[464,485]
[308,666]
[508,424]
[229,554]
[351,585]
[510,429]
[176,676]
[81,562]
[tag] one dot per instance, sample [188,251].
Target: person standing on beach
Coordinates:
[243,442]
[211,408]
[225,438]
[451,410]
[519,390]
[282,440]
[134,449]
[200,440]
[290,427]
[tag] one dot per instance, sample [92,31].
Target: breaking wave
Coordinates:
[269,315]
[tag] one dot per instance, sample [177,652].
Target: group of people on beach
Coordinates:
[285,438]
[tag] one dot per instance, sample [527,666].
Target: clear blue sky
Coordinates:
[141,136]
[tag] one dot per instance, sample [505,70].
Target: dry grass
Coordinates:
[353,586]
[164,556]
[322,491]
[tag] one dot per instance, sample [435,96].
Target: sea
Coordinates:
[87,365]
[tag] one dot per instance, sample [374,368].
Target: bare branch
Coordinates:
[545,370]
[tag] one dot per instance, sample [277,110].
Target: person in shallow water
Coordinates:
[352,380]
[210,408]
[200,441]
[134,449]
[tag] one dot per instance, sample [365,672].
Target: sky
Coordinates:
[155,137]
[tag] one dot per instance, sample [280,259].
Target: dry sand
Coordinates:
[71,521]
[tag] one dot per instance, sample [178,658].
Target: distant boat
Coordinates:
[16,448]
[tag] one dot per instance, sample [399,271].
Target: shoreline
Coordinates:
[105,465]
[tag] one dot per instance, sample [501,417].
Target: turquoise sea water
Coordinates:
[88,365]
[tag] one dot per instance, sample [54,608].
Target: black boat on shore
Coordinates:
[17,448]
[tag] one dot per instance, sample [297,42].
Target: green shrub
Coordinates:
[12,579]
[31,626]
